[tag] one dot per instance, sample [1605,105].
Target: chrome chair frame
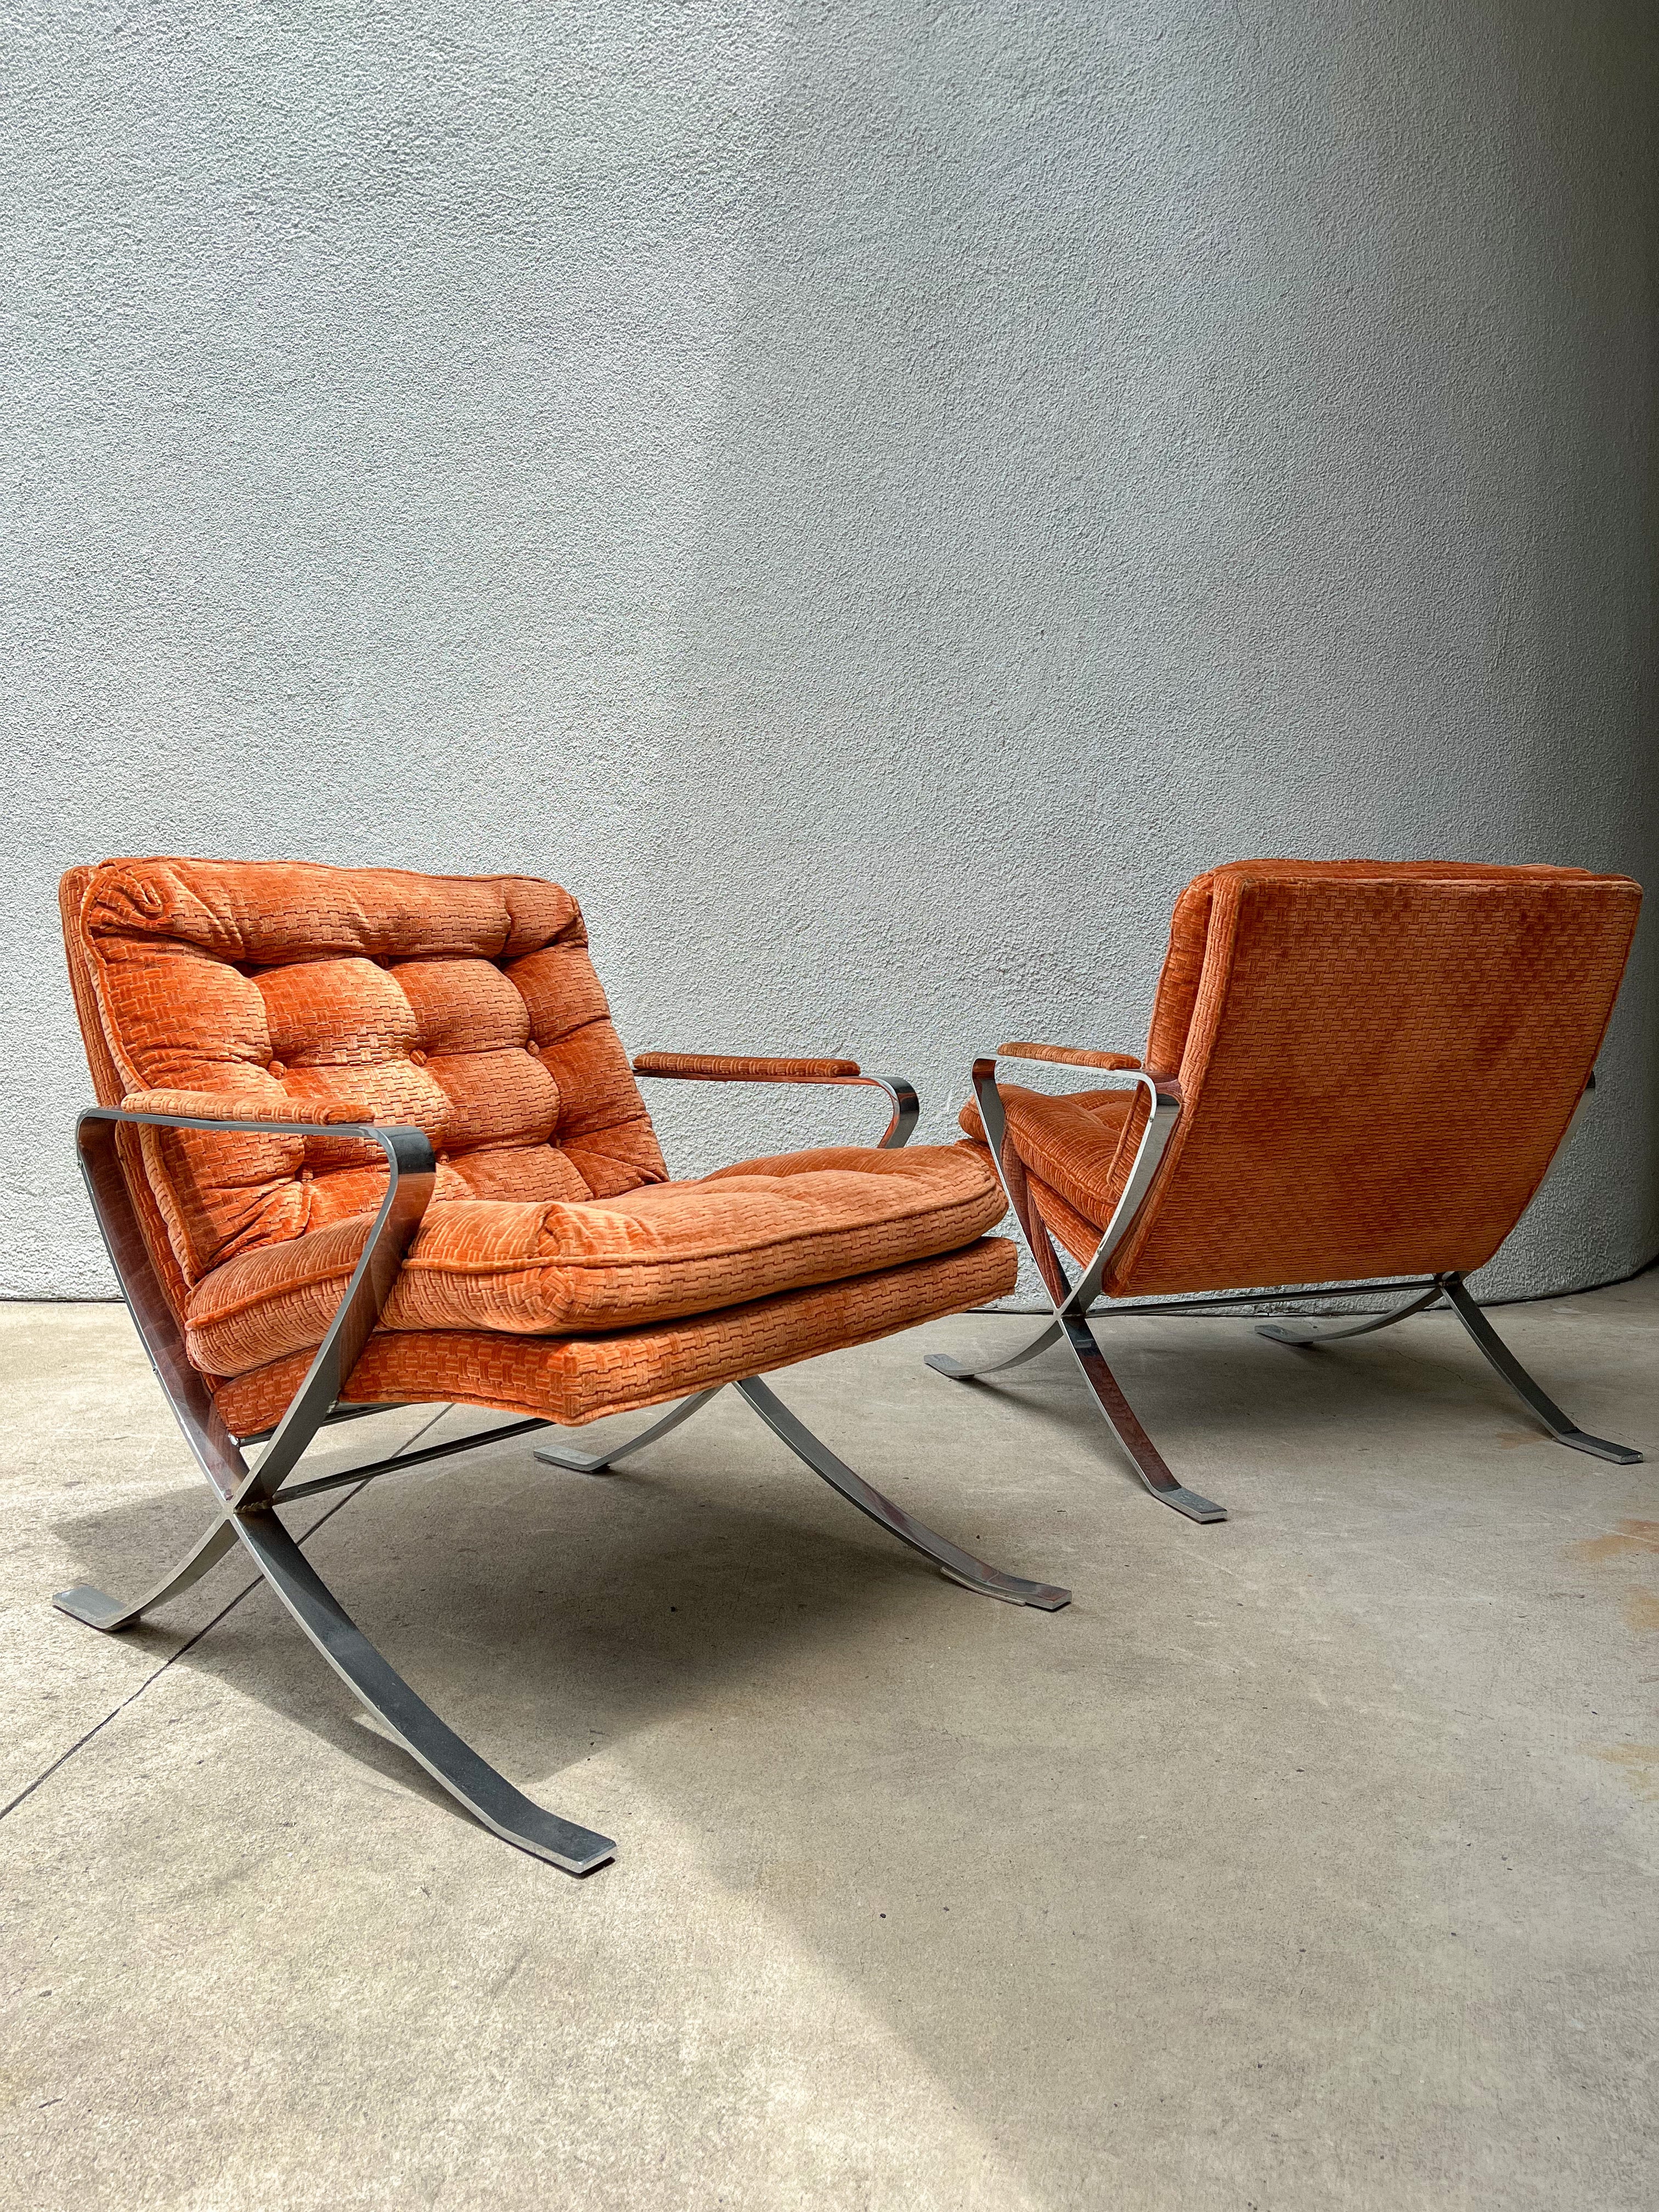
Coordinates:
[1072,1302]
[957,1565]
[247,1496]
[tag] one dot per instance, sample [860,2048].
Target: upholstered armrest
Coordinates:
[732,1067]
[233,1106]
[735,1067]
[1067,1055]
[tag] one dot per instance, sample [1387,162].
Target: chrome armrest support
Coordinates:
[408,1189]
[901,1096]
[1164,1094]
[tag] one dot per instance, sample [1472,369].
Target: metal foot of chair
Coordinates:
[1301,1332]
[599,1464]
[488,1795]
[1121,1418]
[1522,1384]
[961,1371]
[97,1610]
[960,1566]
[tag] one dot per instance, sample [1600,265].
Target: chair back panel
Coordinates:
[1377,1063]
[467,1006]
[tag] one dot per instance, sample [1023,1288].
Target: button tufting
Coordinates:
[418,1057]
[275,1067]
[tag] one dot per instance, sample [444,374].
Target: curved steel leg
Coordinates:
[1120,1419]
[488,1797]
[1072,1300]
[1522,1384]
[1304,1332]
[593,1463]
[97,1610]
[961,1567]
[960,1371]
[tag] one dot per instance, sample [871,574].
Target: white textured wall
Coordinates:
[874,496]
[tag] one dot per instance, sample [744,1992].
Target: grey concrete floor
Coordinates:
[1306,1861]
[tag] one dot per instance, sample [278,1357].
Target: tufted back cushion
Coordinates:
[464,1005]
[1377,1061]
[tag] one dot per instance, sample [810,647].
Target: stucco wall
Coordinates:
[872,496]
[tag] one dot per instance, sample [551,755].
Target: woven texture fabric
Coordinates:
[1074,1142]
[1076,1233]
[731,1067]
[226,1106]
[557,1270]
[1068,1056]
[466,1006]
[574,1380]
[108,1088]
[650,1255]
[1377,1063]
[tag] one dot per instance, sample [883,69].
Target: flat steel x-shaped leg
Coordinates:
[961,1567]
[1455,1292]
[1072,1302]
[248,1497]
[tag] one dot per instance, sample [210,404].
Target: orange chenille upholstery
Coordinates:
[1073,1145]
[469,1008]
[571,1380]
[730,1067]
[651,1255]
[1376,1062]
[367,1141]
[1356,1076]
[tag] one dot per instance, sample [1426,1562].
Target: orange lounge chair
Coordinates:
[368,1138]
[1358,1074]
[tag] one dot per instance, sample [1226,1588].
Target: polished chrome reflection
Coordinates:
[1121,1418]
[1305,1336]
[1072,1302]
[1456,1292]
[1303,1333]
[907,1110]
[1563,1431]
[961,1567]
[961,1371]
[597,1463]
[99,1610]
[488,1795]
[247,1495]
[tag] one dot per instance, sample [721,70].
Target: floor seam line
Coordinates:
[188,1643]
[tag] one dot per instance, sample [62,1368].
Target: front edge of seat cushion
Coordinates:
[573,1380]
[648,1255]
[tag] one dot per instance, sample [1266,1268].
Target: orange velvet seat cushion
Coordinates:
[650,1255]
[1082,1143]
[575,1379]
